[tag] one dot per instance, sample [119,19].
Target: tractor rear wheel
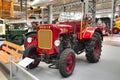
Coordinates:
[67,62]
[93,48]
[31,52]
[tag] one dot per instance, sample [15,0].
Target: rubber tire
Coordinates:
[115,32]
[62,60]
[31,34]
[90,48]
[34,55]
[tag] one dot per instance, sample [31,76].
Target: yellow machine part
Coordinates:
[117,24]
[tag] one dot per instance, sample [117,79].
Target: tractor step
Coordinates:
[79,52]
[53,66]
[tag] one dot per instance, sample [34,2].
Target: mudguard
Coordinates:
[30,33]
[26,44]
[89,31]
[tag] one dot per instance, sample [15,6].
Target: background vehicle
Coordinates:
[116,28]
[57,45]
[104,24]
[15,32]
[2,28]
[18,31]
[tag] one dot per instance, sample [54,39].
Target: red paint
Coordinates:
[34,41]
[65,27]
[70,63]
[88,32]
[115,30]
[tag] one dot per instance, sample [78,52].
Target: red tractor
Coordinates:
[57,44]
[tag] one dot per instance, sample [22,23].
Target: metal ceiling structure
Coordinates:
[94,6]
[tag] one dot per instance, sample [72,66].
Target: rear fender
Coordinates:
[89,31]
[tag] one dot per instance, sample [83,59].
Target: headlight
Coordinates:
[57,42]
[103,31]
[29,39]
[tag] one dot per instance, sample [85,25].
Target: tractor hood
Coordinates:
[61,28]
[64,28]
[48,35]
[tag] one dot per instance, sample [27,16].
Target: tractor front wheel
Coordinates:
[67,62]
[93,48]
[31,52]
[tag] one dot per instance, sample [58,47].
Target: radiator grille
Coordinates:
[45,38]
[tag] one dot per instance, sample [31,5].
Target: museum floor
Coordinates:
[108,68]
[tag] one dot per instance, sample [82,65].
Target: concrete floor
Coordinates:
[108,68]
[2,76]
